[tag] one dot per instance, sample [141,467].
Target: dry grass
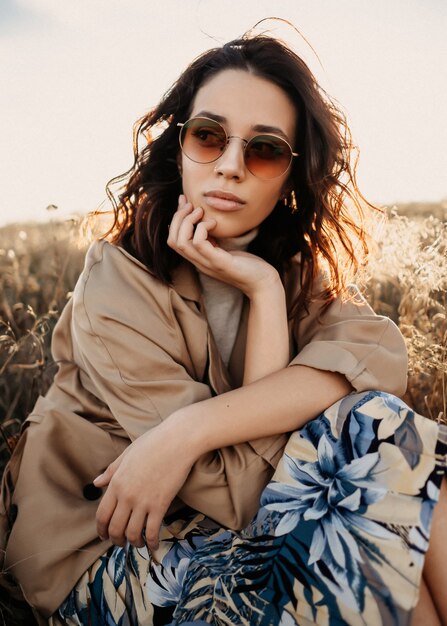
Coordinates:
[39,266]
[408,282]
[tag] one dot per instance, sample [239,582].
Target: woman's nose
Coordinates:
[231,163]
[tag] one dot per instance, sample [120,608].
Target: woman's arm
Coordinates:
[281,402]
[144,480]
[267,348]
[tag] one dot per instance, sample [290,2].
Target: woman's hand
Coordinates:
[141,484]
[189,235]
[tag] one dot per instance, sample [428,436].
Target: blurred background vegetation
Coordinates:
[406,279]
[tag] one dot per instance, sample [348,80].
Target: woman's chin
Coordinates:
[227,228]
[222,232]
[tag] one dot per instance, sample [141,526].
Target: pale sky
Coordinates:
[76,74]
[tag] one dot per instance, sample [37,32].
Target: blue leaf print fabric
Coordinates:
[339,538]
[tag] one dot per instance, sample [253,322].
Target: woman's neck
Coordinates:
[241,242]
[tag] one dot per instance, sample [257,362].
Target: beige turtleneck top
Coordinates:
[223,302]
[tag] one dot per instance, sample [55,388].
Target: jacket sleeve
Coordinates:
[132,355]
[348,337]
[129,352]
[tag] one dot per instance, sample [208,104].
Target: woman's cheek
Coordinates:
[190,180]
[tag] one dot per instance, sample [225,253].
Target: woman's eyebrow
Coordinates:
[212,116]
[260,128]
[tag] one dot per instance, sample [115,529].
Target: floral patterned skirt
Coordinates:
[340,536]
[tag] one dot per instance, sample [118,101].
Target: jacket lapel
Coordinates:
[186,284]
[237,359]
[218,375]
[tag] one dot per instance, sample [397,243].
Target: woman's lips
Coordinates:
[223,201]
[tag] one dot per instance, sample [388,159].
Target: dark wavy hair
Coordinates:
[327,228]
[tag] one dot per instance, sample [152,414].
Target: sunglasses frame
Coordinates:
[246,142]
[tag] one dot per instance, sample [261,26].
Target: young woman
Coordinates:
[211,343]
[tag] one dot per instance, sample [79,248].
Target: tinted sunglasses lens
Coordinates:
[203,140]
[267,156]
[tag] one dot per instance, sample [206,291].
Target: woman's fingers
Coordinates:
[118,523]
[153,525]
[103,479]
[135,527]
[104,514]
[202,232]
[115,520]
[183,209]
[186,229]
[182,233]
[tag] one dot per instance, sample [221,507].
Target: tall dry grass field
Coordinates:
[39,265]
[408,282]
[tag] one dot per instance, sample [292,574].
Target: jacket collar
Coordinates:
[184,277]
[186,283]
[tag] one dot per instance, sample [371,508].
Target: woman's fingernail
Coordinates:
[98,478]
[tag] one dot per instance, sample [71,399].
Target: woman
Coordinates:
[205,332]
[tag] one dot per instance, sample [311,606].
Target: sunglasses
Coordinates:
[204,140]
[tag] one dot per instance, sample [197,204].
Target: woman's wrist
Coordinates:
[263,290]
[188,426]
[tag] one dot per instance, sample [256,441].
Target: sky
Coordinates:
[77,74]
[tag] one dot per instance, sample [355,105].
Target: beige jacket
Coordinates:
[132,350]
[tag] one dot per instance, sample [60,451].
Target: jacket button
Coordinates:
[91,492]
[13,510]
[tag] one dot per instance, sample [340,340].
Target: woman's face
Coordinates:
[243,103]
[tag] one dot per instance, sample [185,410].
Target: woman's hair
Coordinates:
[323,229]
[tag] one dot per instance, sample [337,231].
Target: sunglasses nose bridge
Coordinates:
[232,160]
[244,141]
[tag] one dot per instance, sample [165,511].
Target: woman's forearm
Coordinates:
[150,473]
[279,403]
[267,347]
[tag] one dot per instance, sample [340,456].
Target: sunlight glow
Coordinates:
[79,74]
